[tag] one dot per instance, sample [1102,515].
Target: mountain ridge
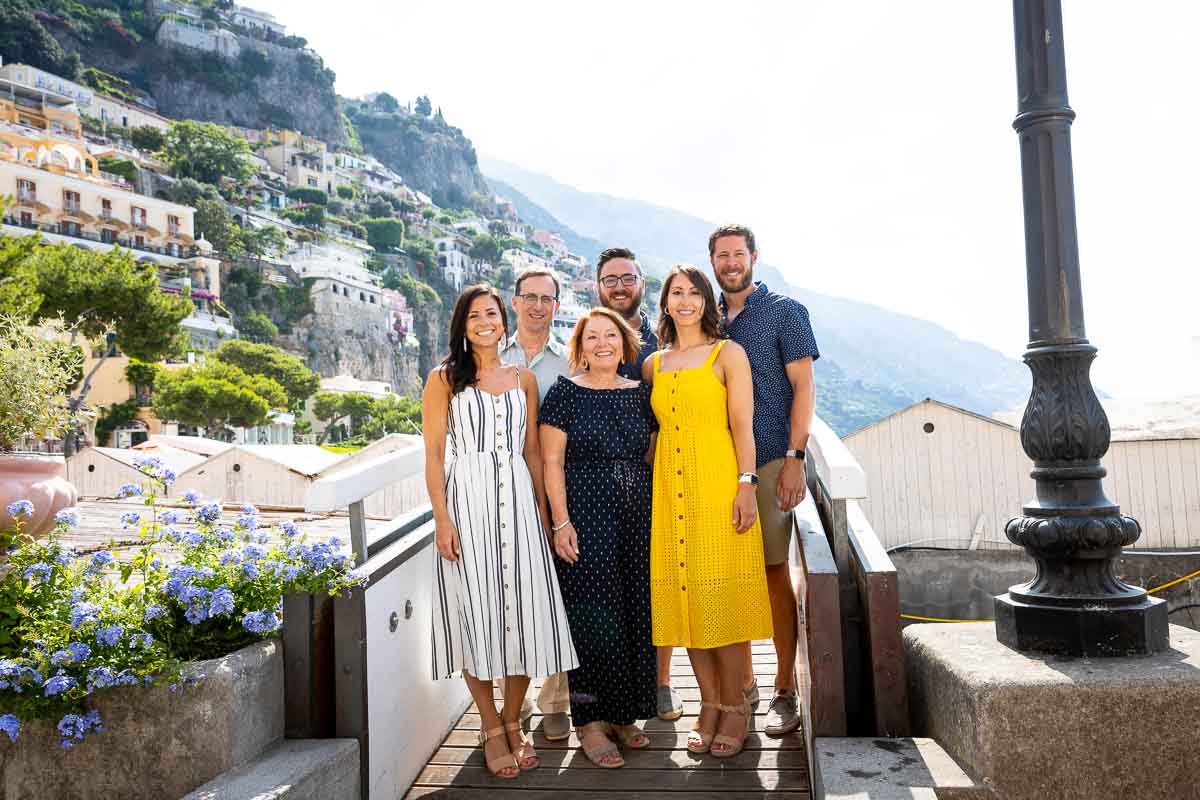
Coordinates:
[874,361]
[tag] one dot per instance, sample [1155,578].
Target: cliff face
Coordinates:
[430,155]
[338,338]
[266,85]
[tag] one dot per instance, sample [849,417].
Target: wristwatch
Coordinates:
[799,454]
[748,477]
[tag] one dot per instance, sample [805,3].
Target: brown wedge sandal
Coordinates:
[496,766]
[698,741]
[631,736]
[527,757]
[734,744]
[597,754]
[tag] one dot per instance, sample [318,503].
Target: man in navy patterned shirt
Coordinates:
[776,335]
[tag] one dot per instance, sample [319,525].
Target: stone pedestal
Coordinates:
[1038,727]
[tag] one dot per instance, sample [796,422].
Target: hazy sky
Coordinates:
[868,143]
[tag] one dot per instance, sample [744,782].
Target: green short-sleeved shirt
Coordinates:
[546,365]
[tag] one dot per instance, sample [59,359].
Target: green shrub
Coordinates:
[306,194]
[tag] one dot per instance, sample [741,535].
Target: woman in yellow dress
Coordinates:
[708,585]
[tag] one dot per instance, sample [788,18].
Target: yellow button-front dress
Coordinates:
[708,585]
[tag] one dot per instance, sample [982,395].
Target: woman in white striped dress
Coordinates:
[498,612]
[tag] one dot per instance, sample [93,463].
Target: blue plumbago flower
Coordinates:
[289,529]
[100,678]
[339,559]
[148,464]
[14,676]
[335,542]
[79,651]
[129,490]
[253,552]
[249,570]
[68,516]
[261,622]
[168,517]
[40,570]
[221,602]
[293,572]
[153,611]
[58,684]
[143,640]
[73,653]
[65,556]
[226,535]
[21,508]
[77,594]
[126,678]
[83,612]
[156,562]
[101,560]
[10,725]
[357,577]
[109,635]
[75,726]
[167,476]
[230,557]
[191,497]
[247,521]
[249,509]
[130,518]
[208,513]
[193,538]
[262,537]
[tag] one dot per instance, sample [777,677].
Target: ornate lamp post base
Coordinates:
[1139,629]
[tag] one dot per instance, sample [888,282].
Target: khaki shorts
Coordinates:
[776,524]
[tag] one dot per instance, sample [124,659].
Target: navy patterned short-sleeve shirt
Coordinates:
[649,347]
[774,331]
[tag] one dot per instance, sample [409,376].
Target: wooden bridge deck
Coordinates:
[665,770]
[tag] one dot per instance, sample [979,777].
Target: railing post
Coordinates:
[308,678]
[358,532]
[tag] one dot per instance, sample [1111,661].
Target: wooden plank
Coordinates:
[674,758]
[1178,497]
[879,593]
[498,792]
[659,740]
[820,668]
[624,780]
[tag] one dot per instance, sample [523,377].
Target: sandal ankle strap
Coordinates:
[491,734]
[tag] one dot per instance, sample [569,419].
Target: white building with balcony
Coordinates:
[258,21]
[453,259]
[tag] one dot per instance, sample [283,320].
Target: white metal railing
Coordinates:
[349,488]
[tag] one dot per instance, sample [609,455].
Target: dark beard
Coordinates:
[635,302]
[734,288]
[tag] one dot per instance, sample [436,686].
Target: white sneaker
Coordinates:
[783,715]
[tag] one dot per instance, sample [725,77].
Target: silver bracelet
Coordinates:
[560,526]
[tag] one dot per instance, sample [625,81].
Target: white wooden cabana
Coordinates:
[275,475]
[102,471]
[942,475]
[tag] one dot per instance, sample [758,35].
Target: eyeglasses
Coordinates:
[628,279]
[537,299]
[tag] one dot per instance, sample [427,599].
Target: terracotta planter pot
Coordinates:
[40,479]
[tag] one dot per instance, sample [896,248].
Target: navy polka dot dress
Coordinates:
[607,592]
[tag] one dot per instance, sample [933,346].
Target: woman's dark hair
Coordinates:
[710,320]
[459,364]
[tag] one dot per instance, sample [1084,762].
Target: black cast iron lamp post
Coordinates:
[1075,605]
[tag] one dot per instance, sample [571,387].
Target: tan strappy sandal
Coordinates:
[631,736]
[595,754]
[702,742]
[734,744]
[497,765]
[527,758]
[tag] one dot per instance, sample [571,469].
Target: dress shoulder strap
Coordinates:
[712,357]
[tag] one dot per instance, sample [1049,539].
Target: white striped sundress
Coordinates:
[498,610]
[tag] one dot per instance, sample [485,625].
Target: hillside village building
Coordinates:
[453,259]
[88,102]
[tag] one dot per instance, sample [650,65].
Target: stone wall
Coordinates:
[961,584]
[157,743]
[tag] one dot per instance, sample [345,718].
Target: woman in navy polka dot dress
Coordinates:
[597,429]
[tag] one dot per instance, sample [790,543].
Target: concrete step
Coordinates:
[892,769]
[291,769]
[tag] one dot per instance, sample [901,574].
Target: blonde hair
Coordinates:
[631,342]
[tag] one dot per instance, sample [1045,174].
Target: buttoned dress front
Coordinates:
[497,609]
[708,584]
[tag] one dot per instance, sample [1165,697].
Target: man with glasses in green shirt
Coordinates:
[533,347]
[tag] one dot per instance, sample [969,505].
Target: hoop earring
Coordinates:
[584,364]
